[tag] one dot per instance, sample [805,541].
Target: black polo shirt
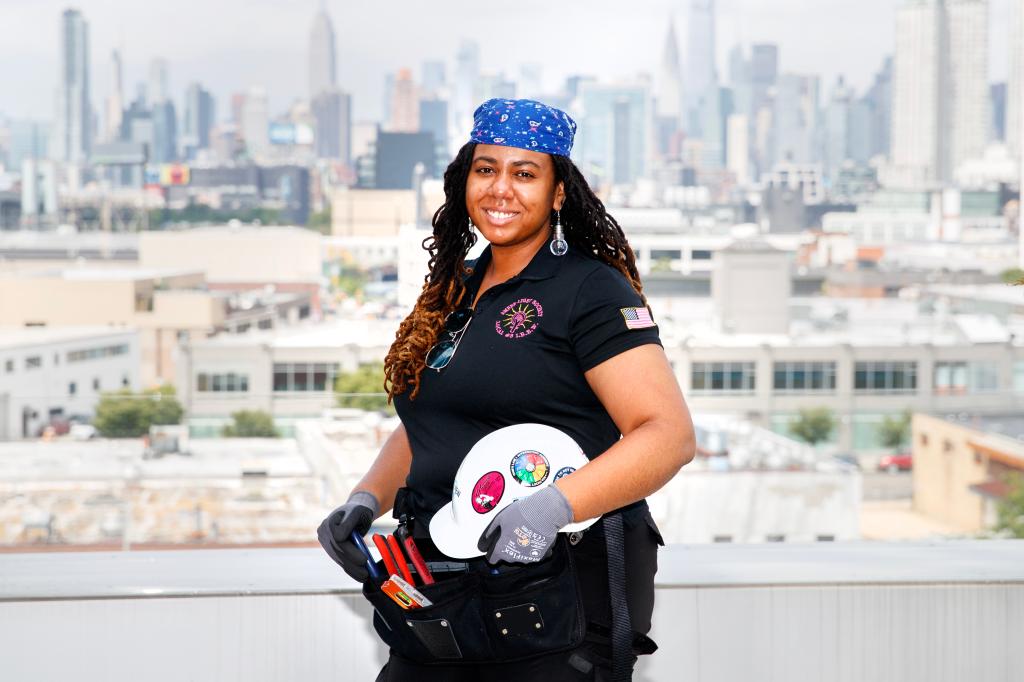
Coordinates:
[521,360]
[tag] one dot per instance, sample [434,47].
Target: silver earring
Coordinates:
[558,245]
[471,225]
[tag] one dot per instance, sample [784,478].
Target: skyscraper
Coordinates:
[322,60]
[115,101]
[878,99]
[611,146]
[467,72]
[332,113]
[701,78]
[256,122]
[1014,92]
[404,115]
[200,115]
[159,89]
[940,89]
[73,138]
[668,97]
[795,119]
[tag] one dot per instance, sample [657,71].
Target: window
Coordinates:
[700,254]
[885,377]
[231,382]
[265,324]
[72,388]
[826,538]
[302,376]
[1018,376]
[96,384]
[9,366]
[960,378]
[804,377]
[125,382]
[33,362]
[721,538]
[723,377]
[96,353]
[778,537]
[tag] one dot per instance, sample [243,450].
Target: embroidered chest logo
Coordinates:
[519,318]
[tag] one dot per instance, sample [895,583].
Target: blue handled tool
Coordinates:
[371,565]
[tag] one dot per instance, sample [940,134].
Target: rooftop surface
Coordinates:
[33,337]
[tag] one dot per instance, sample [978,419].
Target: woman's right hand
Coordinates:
[335,532]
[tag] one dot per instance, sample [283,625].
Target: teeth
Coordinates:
[500,215]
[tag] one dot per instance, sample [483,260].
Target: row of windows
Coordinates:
[94,353]
[305,376]
[229,382]
[887,376]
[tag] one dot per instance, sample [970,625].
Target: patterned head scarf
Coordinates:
[523,123]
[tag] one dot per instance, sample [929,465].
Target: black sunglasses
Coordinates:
[455,325]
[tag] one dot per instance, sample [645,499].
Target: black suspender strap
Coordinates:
[622,627]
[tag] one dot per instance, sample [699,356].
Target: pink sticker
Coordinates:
[487,492]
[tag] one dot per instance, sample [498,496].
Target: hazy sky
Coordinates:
[231,44]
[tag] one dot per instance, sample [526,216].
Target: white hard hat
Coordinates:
[502,467]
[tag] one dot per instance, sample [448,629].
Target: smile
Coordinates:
[500,215]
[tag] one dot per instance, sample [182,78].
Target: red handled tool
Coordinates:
[396,552]
[385,554]
[414,554]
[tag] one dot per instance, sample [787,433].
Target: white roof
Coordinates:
[16,337]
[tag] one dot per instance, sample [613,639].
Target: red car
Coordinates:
[894,463]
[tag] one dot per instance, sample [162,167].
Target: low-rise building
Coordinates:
[963,463]
[49,374]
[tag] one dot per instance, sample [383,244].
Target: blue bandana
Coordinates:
[523,123]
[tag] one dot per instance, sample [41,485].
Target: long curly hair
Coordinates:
[588,229]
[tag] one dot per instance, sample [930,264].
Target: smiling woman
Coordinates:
[548,327]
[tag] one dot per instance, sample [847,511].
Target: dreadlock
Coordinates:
[588,228]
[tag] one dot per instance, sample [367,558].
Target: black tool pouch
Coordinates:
[521,612]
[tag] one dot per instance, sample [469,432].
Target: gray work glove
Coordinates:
[524,532]
[335,533]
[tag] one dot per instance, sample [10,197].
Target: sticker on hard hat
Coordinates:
[564,471]
[530,468]
[487,492]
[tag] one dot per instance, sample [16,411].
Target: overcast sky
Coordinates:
[231,44]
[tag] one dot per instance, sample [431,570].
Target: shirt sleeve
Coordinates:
[608,318]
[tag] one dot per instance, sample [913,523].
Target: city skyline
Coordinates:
[262,44]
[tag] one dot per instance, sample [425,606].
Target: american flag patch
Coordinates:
[637,318]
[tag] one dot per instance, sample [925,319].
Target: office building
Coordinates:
[115,101]
[49,374]
[332,116]
[611,143]
[940,90]
[396,156]
[701,81]
[200,117]
[322,60]
[668,97]
[404,101]
[73,135]
[255,124]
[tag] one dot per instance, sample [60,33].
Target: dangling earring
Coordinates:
[558,245]
[471,225]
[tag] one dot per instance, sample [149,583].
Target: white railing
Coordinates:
[850,612]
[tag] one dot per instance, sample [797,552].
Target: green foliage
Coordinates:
[350,281]
[813,425]
[250,424]
[1012,276]
[363,388]
[200,213]
[320,221]
[124,414]
[894,432]
[1010,509]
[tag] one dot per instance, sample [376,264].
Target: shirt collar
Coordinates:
[543,265]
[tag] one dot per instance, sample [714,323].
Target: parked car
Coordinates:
[893,463]
[82,431]
[848,458]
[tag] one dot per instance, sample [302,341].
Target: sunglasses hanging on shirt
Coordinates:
[455,326]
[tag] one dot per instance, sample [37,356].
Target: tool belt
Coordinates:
[485,613]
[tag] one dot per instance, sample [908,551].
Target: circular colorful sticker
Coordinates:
[530,468]
[487,492]
[564,471]
[519,319]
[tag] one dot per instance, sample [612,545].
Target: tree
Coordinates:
[250,424]
[1012,276]
[894,432]
[1010,509]
[321,221]
[813,425]
[124,414]
[363,388]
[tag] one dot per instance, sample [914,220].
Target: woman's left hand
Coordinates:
[524,532]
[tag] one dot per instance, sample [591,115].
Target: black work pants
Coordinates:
[592,659]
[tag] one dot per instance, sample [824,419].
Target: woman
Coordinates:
[548,326]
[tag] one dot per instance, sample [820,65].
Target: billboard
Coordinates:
[167,174]
[290,133]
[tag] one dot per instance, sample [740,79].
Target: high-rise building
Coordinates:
[200,116]
[878,103]
[467,73]
[764,70]
[1014,89]
[165,133]
[405,116]
[434,120]
[611,144]
[73,138]
[115,101]
[332,114]
[158,89]
[940,90]
[794,118]
[997,110]
[396,158]
[531,83]
[837,128]
[322,60]
[738,148]
[668,95]
[433,78]
[256,122]
[701,78]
